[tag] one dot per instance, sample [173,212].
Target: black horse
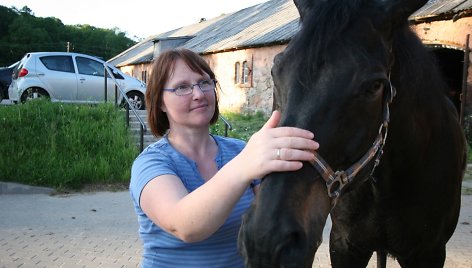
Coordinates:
[397,193]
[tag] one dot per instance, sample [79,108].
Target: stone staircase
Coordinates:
[148,138]
[134,127]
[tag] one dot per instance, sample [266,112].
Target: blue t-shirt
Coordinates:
[161,249]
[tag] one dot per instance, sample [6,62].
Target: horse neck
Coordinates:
[419,107]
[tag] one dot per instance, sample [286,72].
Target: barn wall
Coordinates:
[137,71]
[452,34]
[254,96]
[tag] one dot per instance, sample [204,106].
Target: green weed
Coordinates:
[64,146]
[243,125]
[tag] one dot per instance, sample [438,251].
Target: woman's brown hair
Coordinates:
[161,70]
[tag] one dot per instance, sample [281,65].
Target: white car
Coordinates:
[71,77]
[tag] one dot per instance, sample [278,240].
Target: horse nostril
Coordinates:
[292,248]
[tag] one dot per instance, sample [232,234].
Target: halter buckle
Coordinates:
[336,184]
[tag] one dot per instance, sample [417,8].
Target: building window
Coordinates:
[144,76]
[245,75]
[237,73]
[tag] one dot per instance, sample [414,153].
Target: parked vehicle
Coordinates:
[5,80]
[71,77]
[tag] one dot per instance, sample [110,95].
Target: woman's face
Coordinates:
[194,110]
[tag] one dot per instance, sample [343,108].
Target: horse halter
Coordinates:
[336,181]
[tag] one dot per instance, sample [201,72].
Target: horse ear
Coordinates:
[303,6]
[400,10]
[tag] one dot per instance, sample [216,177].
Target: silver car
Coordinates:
[71,77]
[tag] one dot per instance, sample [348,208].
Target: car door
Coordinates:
[57,73]
[91,81]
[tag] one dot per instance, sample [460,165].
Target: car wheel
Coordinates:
[33,93]
[136,99]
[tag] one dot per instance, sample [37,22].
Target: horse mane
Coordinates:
[416,65]
[321,28]
[421,88]
[324,26]
[327,21]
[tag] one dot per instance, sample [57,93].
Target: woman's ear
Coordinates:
[163,107]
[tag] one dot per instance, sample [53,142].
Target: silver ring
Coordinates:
[278,154]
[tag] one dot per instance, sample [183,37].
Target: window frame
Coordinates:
[245,72]
[237,73]
[58,63]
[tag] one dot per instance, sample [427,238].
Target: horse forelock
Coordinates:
[322,27]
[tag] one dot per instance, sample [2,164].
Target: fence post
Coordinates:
[127,116]
[465,74]
[141,143]
[106,83]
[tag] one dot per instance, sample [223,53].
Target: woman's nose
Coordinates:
[197,91]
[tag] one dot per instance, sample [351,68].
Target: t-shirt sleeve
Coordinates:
[147,167]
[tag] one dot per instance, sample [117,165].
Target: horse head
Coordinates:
[332,79]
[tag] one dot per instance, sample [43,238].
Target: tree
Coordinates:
[21,32]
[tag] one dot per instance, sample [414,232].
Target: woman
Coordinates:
[191,188]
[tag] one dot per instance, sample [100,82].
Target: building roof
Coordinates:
[442,9]
[271,22]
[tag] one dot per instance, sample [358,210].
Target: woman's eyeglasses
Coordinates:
[204,85]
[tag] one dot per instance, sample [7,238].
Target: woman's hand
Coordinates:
[276,149]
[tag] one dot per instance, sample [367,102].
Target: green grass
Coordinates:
[64,146]
[71,146]
[243,125]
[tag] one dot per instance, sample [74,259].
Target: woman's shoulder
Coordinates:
[158,148]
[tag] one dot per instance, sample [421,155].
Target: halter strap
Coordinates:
[336,181]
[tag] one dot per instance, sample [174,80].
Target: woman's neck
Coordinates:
[194,144]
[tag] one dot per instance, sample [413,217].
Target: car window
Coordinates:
[58,63]
[116,74]
[89,67]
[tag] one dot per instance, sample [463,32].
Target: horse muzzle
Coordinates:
[284,226]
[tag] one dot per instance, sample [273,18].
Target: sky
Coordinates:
[138,18]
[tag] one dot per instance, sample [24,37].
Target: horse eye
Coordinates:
[378,85]
[375,87]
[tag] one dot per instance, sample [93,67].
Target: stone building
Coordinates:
[241,46]
[445,26]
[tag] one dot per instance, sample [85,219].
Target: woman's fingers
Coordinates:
[288,154]
[273,120]
[281,166]
[291,132]
[295,143]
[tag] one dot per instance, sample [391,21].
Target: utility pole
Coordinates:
[68,46]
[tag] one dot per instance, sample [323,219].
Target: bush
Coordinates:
[64,146]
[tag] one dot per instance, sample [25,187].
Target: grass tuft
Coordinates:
[64,146]
[243,125]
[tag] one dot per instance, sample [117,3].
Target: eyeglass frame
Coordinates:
[173,90]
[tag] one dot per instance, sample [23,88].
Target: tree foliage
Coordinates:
[21,32]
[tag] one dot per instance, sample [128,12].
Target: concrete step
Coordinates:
[135,129]
[136,125]
[146,138]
